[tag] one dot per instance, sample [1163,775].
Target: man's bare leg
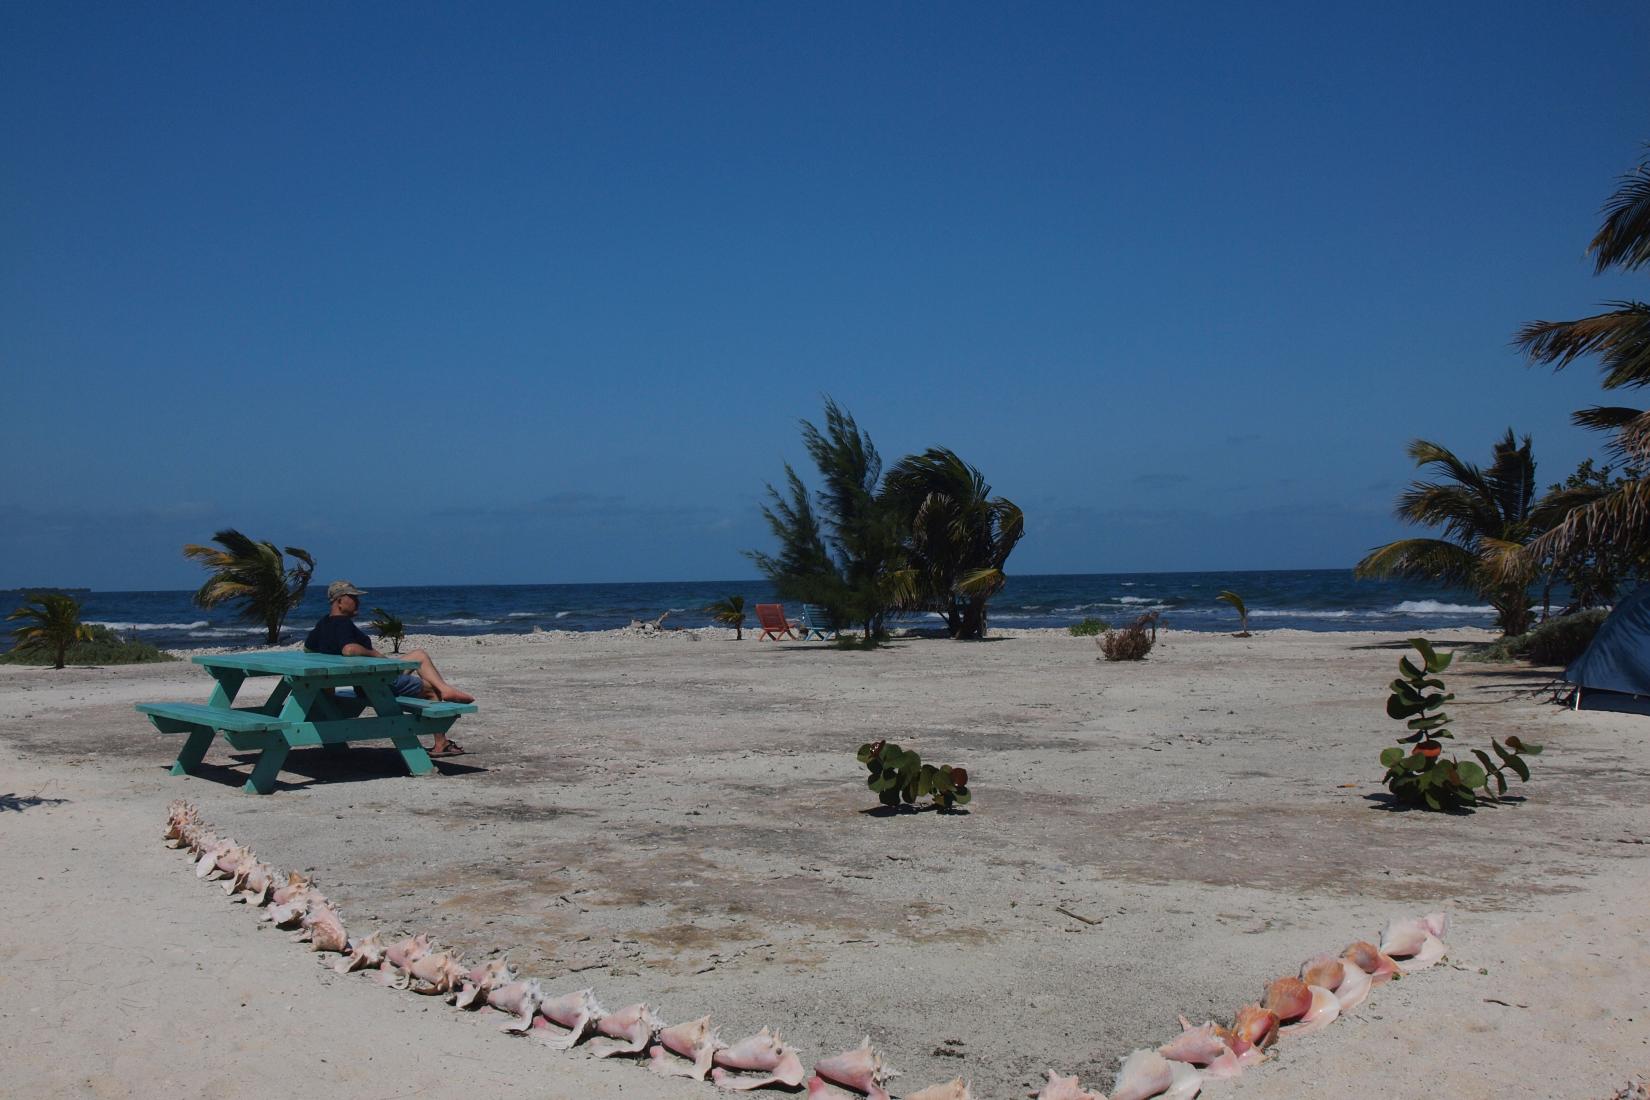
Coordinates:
[432,676]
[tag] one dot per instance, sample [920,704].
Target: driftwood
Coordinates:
[650,626]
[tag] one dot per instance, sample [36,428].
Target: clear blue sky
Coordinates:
[537,293]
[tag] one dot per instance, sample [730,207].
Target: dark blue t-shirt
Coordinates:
[333,633]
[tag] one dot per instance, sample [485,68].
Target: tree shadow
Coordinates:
[12,802]
[1387,802]
[1466,645]
[906,809]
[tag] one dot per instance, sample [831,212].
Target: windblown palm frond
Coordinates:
[50,621]
[1421,559]
[1624,238]
[1616,519]
[254,574]
[1620,338]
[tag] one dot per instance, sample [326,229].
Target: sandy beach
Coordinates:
[680,819]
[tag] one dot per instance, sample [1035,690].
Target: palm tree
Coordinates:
[730,612]
[1486,516]
[51,621]
[957,537]
[255,575]
[1620,338]
[389,628]
[1243,612]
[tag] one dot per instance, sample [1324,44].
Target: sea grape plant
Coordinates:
[1421,776]
[899,775]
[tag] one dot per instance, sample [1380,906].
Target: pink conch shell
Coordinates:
[479,981]
[519,1000]
[1354,987]
[252,883]
[575,1011]
[1289,998]
[821,1089]
[217,859]
[1186,1083]
[1325,1008]
[433,974]
[363,955]
[764,1054]
[295,885]
[627,1031]
[403,954]
[1065,1088]
[954,1089]
[696,1041]
[1413,942]
[1371,960]
[1202,1046]
[295,908]
[859,1068]
[1437,924]
[1143,1074]
[1325,970]
[324,929]
[1255,1026]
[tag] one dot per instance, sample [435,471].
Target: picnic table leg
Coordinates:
[382,700]
[268,767]
[194,749]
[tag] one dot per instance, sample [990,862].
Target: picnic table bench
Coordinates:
[303,709]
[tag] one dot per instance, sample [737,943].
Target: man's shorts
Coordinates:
[409,685]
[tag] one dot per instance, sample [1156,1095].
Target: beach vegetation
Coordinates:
[1486,517]
[899,777]
[1616,520]
[1131,643]
[729,611]
[956,536]
[1243,612]
[1557,641]
[254,575]
[49,623]
[98,646]
[388,628]
[1421,775]
[1089,628]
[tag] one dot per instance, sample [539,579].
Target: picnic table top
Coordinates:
[290,663]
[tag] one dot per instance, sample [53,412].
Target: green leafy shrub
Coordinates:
[1132,643]
[1555,642]
[98,646]
[1089,628]
[899,775]
[389,628]
[1422,776]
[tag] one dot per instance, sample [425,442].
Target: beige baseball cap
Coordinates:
[343,588]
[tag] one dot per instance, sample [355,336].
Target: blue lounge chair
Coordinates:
[816,620]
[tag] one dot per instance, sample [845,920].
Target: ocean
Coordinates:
[1305,599]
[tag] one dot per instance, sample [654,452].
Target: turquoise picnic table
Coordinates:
[304,709]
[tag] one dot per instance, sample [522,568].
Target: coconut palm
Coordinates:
[388,628]
[1620,338]
[730,612]
[1243,612]
[253,574]
[1486,516]
[51,621]
[957,537]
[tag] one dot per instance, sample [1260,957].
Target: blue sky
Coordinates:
[534,293]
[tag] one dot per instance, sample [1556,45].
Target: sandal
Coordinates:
[453,749]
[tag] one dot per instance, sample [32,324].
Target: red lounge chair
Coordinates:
[771,616]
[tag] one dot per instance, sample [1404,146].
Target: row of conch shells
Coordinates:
[1327,987]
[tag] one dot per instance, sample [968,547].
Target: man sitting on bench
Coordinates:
[337,634]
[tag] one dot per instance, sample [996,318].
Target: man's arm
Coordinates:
[353,650]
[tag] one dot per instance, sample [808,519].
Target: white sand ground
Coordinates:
[680,819]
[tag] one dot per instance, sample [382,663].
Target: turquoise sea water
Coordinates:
[1311,599]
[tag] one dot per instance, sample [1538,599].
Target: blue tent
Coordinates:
[1619,657]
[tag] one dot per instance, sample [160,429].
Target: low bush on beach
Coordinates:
[1132,643]
[1421,776]
[1089,628]
[389,628]
[98,646]
[899,776]
[1555,642]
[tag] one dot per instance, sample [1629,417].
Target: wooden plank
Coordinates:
[292,663]
[434,708]
[244,721]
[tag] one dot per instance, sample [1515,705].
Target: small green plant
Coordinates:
[389,628]
[51,624]
[1243,612]
[1132,643]
[899,775]
[730,612]
[1421,776]
[99,646]
[1555,642]
[1089,628]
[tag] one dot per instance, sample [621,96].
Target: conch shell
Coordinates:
[575,1011]
[364,954]
[1256,1026]
[1372,961]
[1323,1011]
[696,1041]
[765,1055]
[1288,998]
[859,1068]
[627,1031]
[1143,1074]
[1065,1088]
[954,1089]
[1414,942]
[1203,1046]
